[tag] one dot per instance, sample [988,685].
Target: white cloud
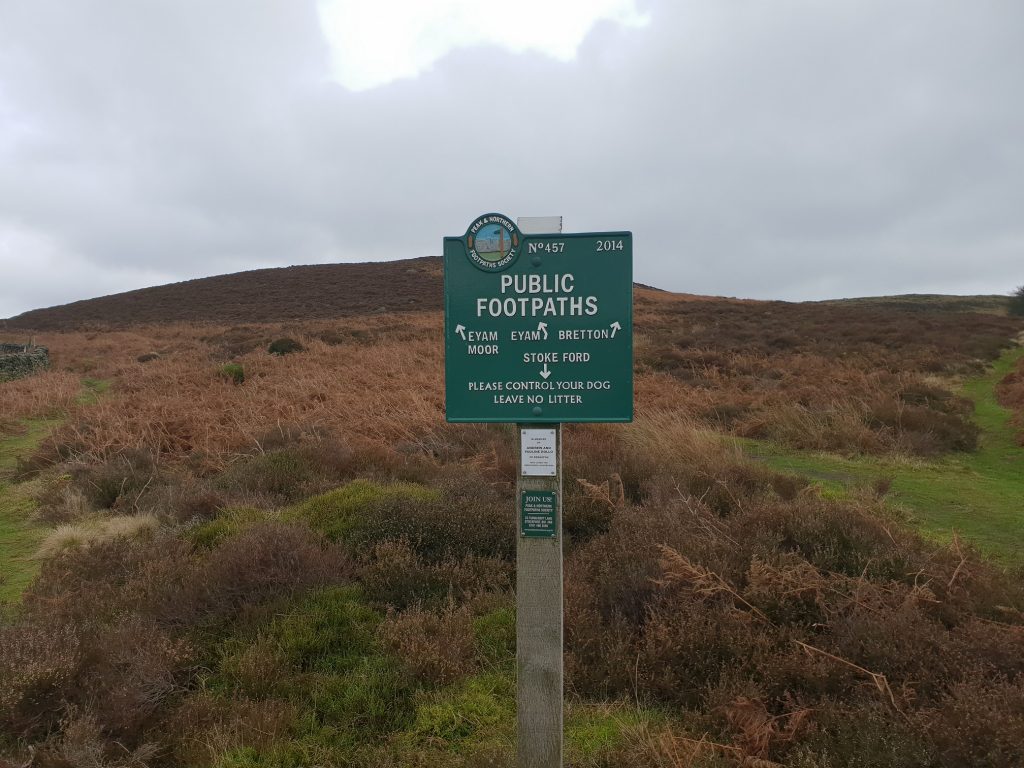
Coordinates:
[375,43]
[791,149]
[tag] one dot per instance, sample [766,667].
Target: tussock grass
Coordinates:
[95,531]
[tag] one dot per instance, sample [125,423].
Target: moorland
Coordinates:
[805,551]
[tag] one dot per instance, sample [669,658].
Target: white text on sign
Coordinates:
[534,303]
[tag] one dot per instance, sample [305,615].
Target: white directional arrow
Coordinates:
[615,327]
[543,327]
[461,330]
[544,372]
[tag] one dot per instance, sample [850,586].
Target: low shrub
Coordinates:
[394,574]
[437,647]
[184,498]
[286,474]
[327,632]
[338,514]
[118,674]
[59,500]
[862,735]
[117,483]
[277,475]
[38,662]
[96,530]
[207,728]
[83,742]
[233,372]
[112,577]
[1016,304]
[228,523]
[459,519]
[925,431]
[133,667]
[1010,393]
[261,563]
[980,721]
[284,346]
[797,605]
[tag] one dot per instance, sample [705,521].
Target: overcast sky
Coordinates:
[791,149]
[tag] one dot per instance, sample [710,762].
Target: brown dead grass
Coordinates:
[1010,393]
[46,394]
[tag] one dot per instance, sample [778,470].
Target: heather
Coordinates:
[305,565]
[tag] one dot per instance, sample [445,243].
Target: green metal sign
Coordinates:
[538,328]
[537,515]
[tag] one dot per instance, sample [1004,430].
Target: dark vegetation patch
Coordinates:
[262,295]
[1010,393]
[284,346]
[840,377]
[1016,304]
[930,302]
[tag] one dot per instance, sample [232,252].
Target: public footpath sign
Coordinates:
[538,331]
[538,328]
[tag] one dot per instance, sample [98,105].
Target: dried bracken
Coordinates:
[308,566]
[677,569]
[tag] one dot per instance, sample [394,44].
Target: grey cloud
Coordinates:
[785,150]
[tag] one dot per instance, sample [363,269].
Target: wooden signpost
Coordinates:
[538,331]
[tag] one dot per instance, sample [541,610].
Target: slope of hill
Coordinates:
[993,304]
[219,556]
[261,295]
[328,291]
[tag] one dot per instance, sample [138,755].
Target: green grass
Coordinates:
[355,704]
[979,495]
[93,388]
[20,535]
[340,513]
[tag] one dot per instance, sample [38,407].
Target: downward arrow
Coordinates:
[461,330]
[615,327]
[544,372]
[543,327]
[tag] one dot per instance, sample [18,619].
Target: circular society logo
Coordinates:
[493,242]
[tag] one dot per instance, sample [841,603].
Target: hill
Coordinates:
[805,551]
[311,292]
[992,304]
[329,291]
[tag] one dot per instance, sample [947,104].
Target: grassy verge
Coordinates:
[979,495]
[20,535]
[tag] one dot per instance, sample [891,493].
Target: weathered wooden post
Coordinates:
[539,627]
[538,333]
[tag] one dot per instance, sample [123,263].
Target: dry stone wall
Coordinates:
[18,360]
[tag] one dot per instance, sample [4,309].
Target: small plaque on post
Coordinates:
[538,515]
[539,453]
